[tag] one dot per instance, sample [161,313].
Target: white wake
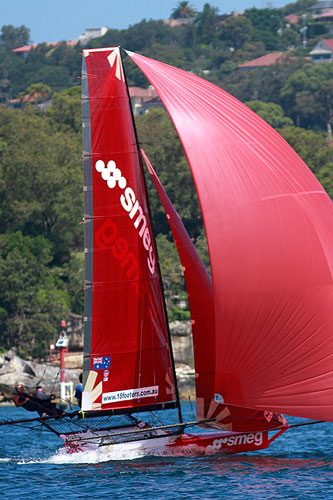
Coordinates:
[127,451]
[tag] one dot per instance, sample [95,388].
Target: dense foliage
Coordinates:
[41,238]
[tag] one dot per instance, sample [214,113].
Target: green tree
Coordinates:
[30,302]
[167,156]
[172,274]
[40,179]
[138,37]
[325,97]
[314,149]
[183,10]
[236,30]
[206,25]
[306,109]
[65,111]
[271,113]
[267,25]
[249,50]
[298,7]
[288,38]
[11,37]
[305,94]
[265,84]
[57,67]
[39,91]
[325,177]
[72,274]
[168,54]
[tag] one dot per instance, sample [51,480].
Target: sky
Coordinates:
[56,20]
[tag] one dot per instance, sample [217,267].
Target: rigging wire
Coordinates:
[157,418]
[40,429]
[40,381]
[54,381]
[306,423]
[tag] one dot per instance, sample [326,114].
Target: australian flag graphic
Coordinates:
[101,363]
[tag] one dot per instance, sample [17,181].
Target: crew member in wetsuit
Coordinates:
[24,399]
[44,401]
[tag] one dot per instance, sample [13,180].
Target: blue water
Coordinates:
[298,465]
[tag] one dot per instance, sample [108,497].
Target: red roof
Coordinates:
[326,13]
[328,42]
[26,98]
[262,61]
[292,18]
[27,48]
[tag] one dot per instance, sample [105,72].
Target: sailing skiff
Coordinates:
[262,324]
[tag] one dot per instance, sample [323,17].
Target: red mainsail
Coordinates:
[127,359]
[269,227]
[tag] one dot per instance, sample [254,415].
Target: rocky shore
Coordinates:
[14,369]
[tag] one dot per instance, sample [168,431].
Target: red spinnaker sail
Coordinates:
[127,357]
[269,229]
[200,297]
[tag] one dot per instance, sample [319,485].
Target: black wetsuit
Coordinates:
[46,406]
[29,405]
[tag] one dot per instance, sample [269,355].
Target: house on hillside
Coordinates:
[261,62]
[292,19]
[323,51]
[85,38]
[91,33]
[35,99]
[178,22]
[320,7]
[24,51]
[144,99]
[327,18]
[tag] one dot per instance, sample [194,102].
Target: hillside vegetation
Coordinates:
[41,201]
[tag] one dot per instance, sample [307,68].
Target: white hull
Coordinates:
[162,443]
